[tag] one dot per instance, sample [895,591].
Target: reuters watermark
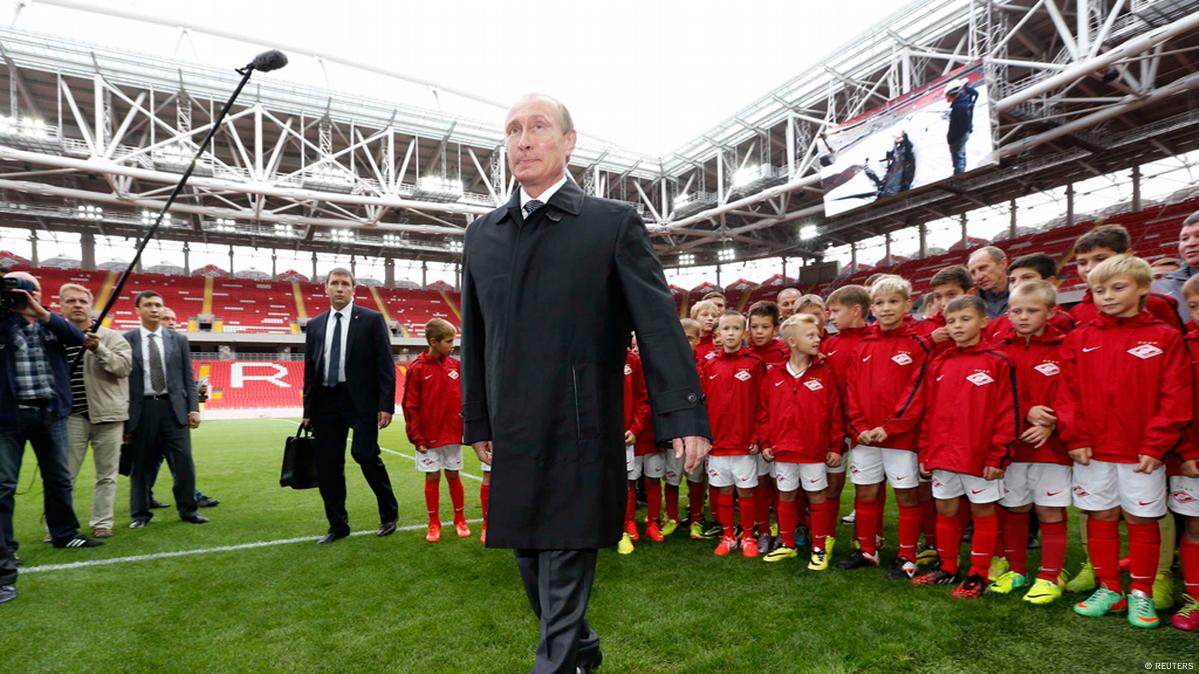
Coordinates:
[1168,666]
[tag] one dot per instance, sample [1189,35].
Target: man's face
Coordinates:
[76,306]
[761,330]
[1028,315]
[1188,244]
[537,145]
[1119,296]
[168,318]
[988,274]
[731,332]
[150,311]
[1087,261]
[340,290]
[889,309]
[1022,275]
[786,301]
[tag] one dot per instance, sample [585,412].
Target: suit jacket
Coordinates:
[548,306]
[370,367]
[181,381]
[57,334]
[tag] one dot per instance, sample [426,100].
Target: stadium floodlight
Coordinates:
[439,188]
[726,255]
[225,225]
[285,231]
[89,212]
[682,200]
[808,232]
[148,218]
[686,259]
[343,235]
[747,175]
[392,240]
[455,246]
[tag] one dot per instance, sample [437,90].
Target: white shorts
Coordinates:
[1184,495]
[808,476]
[447,457]
[948,484]
[844,462]
[870,464]
[1101,485]
[652,466]
[726,471]
[1045,484]
[764,467]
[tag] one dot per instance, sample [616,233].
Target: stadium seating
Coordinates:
[252,306]
[261,384]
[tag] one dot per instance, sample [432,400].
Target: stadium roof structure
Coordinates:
[96,136]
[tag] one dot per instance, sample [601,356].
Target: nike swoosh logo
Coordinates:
[940,377]
[778,383]
[428,378]
[977,491]
[867,358]
[1053,493]
[1088,349]
[1145,503]
[830,354]
[711,376]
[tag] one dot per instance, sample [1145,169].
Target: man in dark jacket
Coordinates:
[1188,250]
[961,97]
[553,283]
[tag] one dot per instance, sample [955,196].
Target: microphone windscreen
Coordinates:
[269,60]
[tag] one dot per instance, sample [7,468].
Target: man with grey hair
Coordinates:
[787,299]
[1188,250]
[988,268]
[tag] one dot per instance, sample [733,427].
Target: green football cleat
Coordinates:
[829,544]
[697,531]
[1085,581]
[625,546]
[1007,582]
[819,559]
[1102,602]
[1141,612]
[669,527]
[780,553]
[927,556]
[999,566]
[1043,592]
[1163,591]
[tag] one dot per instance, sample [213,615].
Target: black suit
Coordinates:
[547,308]
[369,388]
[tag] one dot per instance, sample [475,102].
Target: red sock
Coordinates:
[982,546]
[695,500]
[801,509]
[1144,547]
[1189,552]
[653,497]
[1103,547]
[949,541]
[724,512]
[748,513]
[714,499]
[762,505]
[672,502]
[432,498]
[928,522]
[865,527]
[823,517]
[484,495]
[909,530]
[881,511]
[788,520]
[1015,542]
[1053,549]
[630,506]
[457,498]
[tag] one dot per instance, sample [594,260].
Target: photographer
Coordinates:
[35,399]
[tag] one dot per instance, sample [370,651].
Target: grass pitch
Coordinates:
[400,604]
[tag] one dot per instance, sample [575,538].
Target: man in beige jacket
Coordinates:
[101,403]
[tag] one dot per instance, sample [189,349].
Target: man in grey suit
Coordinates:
[163,404]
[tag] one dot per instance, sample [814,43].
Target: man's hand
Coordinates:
[1147,464]
[1037,435]
[629,438]
[483,451]
[91,341]
[1190,468]
[384,420]
[992,473]
[32,309]
[833,460]
[1081,456]
[193,419]
[422,449]
[1042,416]
[694,447]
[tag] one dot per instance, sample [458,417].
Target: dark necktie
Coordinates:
[158,382]
[334,363]
[531,206]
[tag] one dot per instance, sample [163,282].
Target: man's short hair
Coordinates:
[994,252]
[956,275]
[704,305]
[793,323]
[851,295]
[1113,237]
[1191,219]
[787,291]
[1042,291]
[768,309]
[890,284]
[967,302]
[565,120]
[438,329]
[1191,287]
[691,325]
[74,288]
[1122,265]
[1042,263]
[145,294]
[714,293]
[340,271]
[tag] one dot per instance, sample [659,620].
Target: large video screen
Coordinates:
[919,138]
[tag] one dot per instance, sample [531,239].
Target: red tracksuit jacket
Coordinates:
[1000,328]
[1188,448]
[774,352]
[883,381]
[1126,388]
[732,385]
[706,348]
[1162,306]
[970,409]
[838,353]
[433,402]
[803,414]
[636,395]
[1037,362]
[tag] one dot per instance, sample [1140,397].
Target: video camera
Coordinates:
[10,299]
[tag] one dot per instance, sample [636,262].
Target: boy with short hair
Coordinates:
[969,425]
[804,434]
[1099,244]
[731,382]
[636,413]
[432,407]
[717,298]
[884,379]
[706,314]
[848,307]
[945,286]
[813,305]
[1040,471]
[1123,403]
[763,328]
[1182,468]
[674,466]
[1031,268]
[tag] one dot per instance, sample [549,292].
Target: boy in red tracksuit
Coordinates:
[966,437]
[1099,244]
[731,382]
[649,461]
[1040,471]
[804,435]
[1033,267]
[675,466]
[636,413]
[945,286]
[433,421]
[848,307]
[884,380]
[707,314]
[763,328]
[1182,467]
[1123,403]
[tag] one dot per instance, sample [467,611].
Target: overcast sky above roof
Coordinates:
[645,75]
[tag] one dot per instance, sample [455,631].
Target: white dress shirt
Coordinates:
[544,197]
[161,336]
[346,313]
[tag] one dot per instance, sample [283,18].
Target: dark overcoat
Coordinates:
[547,308]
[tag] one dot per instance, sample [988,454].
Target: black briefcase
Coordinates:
[125,462]
[299,461]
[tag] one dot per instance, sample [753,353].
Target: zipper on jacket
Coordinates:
[574,381]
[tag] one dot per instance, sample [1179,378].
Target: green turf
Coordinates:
[401,604]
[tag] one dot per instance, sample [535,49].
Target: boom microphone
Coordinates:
[267,61]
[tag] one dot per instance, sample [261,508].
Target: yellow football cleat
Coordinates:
[669,527]
[999,566]
[625,546]
[819,560]
[1043,592]
[780,553]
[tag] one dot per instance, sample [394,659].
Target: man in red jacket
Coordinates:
[731,382]
[433,420]
[966,435]
[1125,398]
